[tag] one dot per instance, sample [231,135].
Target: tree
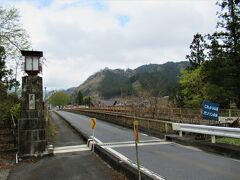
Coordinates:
[87,101]
[229,25]
[3,71]
[197,55]
[13,37]
[229,35]
[191,87]
[215,84]
[59,99]
[218,78]
[80,98]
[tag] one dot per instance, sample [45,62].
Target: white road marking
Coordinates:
[133,164]
[130,162]
[68,149]
[71,150]
[130,145]
[143,134]
[131,142]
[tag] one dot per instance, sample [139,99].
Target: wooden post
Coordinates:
[135,127]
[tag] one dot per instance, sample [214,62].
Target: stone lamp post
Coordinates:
[31,125]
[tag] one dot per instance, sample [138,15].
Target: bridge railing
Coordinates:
[150,125]
[180,115]
[208,130]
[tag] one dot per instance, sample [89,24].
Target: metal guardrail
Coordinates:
[209,130]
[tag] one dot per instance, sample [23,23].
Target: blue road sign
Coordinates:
[210,110]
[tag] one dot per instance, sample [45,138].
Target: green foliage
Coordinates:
[229,34]
[202,83]
[3,71]
[15,110]
[218,78]
[59,99]
[226,140]
[152,79]
[87,100]
[191,85]
[51,127]
[9,103]
[160,82]
[197,48]
[217,88]
[13,37]
[114,84]
[79,98]
[6,75]
[229,25]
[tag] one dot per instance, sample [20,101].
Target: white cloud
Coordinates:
[81,37]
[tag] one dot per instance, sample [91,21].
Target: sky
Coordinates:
[81,37]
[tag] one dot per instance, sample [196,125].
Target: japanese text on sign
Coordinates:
[210,110]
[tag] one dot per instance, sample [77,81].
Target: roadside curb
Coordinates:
[221,149]
[112,160]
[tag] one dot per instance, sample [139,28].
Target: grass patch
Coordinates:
[226,140]
[51,128]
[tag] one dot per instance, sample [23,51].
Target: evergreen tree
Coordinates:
[79,98]
[197,55]
[229,34]
[229,25]
[87,100]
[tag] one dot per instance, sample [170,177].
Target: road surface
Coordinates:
[168,159]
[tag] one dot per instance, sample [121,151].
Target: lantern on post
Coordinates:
[31,124]
[32,64]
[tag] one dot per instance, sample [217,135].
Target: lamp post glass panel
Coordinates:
[32,62]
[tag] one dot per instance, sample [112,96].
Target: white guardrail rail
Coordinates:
[209,130]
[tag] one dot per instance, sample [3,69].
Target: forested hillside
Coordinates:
[151,79]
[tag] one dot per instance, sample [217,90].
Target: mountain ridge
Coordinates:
[152,79]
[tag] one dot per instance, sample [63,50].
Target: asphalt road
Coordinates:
[170,160]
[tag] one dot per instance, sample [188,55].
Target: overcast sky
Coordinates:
[81,37]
